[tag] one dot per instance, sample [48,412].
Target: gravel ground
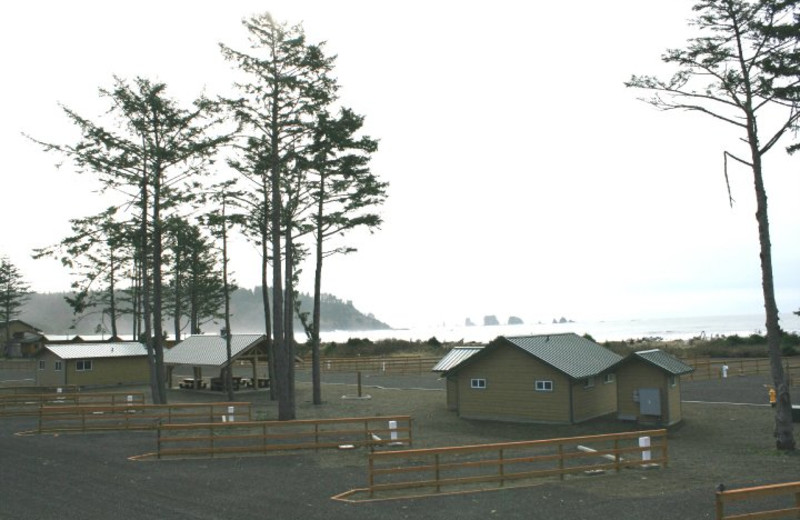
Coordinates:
[90,477]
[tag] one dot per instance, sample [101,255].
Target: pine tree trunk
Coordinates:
[784,437]
[316,375]
[267,322]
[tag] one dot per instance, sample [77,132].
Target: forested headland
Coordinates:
[53,315]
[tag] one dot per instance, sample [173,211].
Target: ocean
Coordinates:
[664,328]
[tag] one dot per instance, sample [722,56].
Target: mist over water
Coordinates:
[665,328]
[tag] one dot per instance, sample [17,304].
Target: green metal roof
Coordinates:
[455,357]
[664,361]
[573,355]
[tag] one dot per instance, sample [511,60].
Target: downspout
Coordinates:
[571,408]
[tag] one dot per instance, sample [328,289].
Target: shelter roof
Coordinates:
[575,356]
[455,356]
[97,350]
[211,350]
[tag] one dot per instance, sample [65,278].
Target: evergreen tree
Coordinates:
[289,86]
[344,192]
[728,73]
[152,155]
[14,292]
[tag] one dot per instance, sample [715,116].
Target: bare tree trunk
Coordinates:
[155,389]
[316,375]
[267,322]
[176,321]
[288,315]
[112,297]
[226,289]
[158,332]
[784,437]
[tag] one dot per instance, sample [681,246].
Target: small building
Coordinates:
[93,364]
[20,339]
[455,356]
[554,378]
[649,387]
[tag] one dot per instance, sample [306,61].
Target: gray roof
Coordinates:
[209,350]
[664,361]
[573,355]
[455,356]
[98,350]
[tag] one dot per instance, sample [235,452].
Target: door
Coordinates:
[649,401]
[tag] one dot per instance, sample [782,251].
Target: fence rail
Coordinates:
[54,419]
[183,440]
[514,461]
[403,364]
[63,389]
[713,368]
[790,491]
[22,405]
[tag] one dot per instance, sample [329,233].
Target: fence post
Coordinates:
[371,476]
[561,461]
[616,455]
[436,466]
[158,441]
[501,468]
[720,513]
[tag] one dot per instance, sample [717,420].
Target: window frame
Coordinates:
[42,364]
[610,377]
[588,383]
[58,366]
[477,383]
[83,365]
[541,385]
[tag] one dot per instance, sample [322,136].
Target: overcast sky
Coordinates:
[525,179]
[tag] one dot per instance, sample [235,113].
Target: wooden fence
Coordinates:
[465,466]
[64,389]
[53,419]
[17,364]
[183,440]
[712,368]
[402,364]
[21,405]
[789,492]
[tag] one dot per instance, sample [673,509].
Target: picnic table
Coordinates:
[188,382]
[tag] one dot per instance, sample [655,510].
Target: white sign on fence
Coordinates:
[644,442]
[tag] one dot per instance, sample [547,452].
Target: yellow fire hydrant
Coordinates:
[772,397]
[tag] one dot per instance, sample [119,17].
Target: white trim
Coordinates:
[477,383]
[544,385]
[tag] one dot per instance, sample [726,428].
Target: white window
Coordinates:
[610,378]
[544,386]
[83,365]
[673,380]
[588,382]
[477,383]
[41,364]
[59,366]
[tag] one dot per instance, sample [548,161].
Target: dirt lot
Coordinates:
[90,477]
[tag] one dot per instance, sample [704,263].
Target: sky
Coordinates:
[524,178]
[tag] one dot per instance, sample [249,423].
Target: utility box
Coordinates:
[650,401]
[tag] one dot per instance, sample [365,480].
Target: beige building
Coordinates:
[649,387]
[93,364]
[555,378]
[20,339]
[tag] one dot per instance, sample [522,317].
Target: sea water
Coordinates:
[664,328]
